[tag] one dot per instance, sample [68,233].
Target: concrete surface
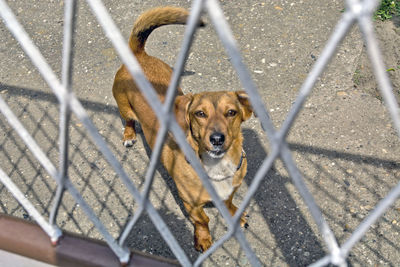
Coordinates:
[343,140]
[8,259]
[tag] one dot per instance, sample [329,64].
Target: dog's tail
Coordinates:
[152,19]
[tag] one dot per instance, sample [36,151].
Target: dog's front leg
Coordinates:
[232,210]
[202,237]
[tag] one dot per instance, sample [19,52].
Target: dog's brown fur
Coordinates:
[205,117]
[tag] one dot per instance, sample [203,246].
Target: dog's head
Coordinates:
[212,119]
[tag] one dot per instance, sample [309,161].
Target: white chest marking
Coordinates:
[221,172]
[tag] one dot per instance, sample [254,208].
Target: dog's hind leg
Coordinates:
[202,237]
[129,133]
[127,114]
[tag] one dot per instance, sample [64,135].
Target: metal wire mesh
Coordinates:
[359,12]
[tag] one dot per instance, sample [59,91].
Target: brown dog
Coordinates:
[211,121]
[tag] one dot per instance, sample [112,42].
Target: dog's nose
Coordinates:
[217,139]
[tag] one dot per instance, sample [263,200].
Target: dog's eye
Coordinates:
[200,114]
[231,113]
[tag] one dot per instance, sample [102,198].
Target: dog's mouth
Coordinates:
[216,153]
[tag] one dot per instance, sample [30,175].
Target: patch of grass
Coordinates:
[387,9]
[393,69]
[357,77]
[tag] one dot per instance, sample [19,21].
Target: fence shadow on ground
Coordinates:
[295,238]
[292,233]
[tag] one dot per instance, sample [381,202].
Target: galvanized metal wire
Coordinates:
[357,12]
[65,112]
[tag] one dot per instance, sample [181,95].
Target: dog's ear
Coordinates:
[246,107]
[182,103]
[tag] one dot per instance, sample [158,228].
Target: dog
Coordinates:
[210,120]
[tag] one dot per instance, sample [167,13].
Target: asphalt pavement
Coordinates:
[343,140]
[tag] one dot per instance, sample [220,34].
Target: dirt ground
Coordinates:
[388,34]
[343,141]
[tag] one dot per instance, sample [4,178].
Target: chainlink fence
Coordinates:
[356,12]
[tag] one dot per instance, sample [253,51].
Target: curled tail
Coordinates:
[152,19]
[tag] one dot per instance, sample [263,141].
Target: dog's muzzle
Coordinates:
[217,141]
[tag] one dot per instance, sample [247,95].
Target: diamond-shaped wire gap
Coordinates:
[45,132]
[39,118]
[83,154]
[26,171]
[381,75]
[338,168]
[149,177]
[365,24]
[40,176]
[52,231]
[307,87]
[89,172]
[352,200]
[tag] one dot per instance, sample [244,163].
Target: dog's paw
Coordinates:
[202,238]
[202,243]
[129,143]
[243,220]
